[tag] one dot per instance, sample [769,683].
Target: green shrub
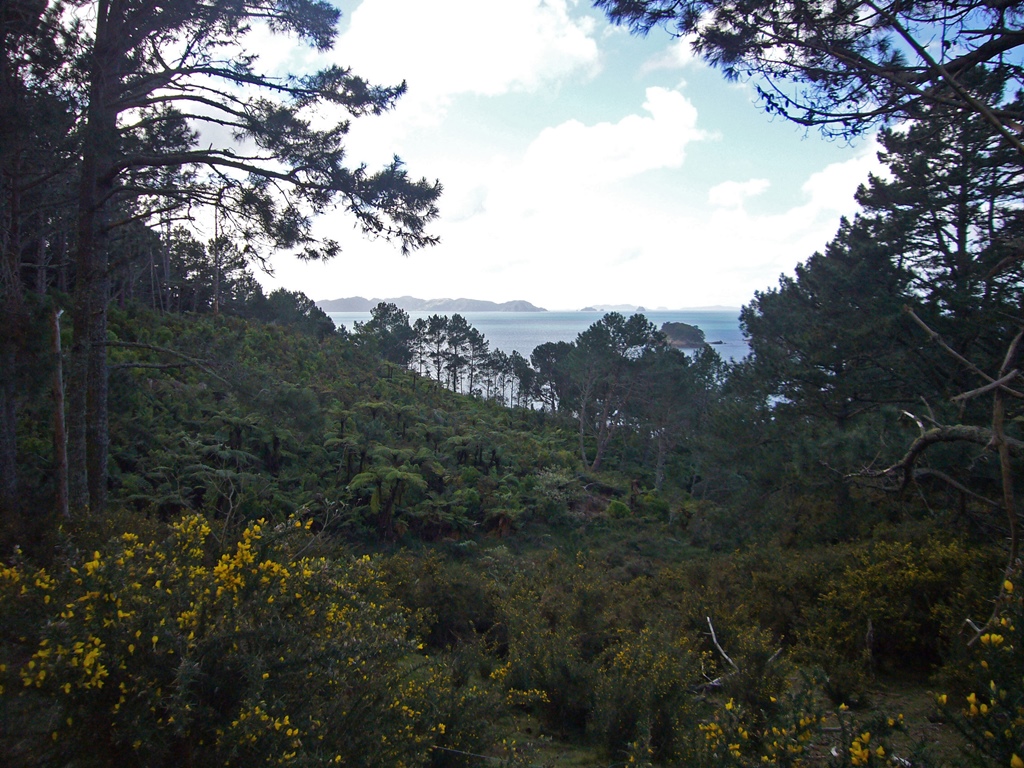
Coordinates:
[450,601]
[653,505]
[618,509]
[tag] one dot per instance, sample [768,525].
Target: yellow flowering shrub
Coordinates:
[991,714]
[900,606]
[184,652]
[553,632]
[792,729]
[777,732]
[644,694]
[868,747]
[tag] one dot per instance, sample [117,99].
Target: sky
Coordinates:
[581,165]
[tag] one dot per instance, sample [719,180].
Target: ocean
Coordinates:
[525,331]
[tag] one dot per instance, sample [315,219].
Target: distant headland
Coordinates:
[412,304]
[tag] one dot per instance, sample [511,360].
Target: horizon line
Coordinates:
[621,304]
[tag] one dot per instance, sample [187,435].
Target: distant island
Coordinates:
[613,308]
[412,304]
[636,308]
[683,335]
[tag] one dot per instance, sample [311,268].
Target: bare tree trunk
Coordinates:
[216,256]
[603,436]
[60,438]
[87,403]
[659,465]
[1006,472]
[9,507]
[42,260]
[97,416]
[152,280]
[78,370]
[61,278]
[165,285]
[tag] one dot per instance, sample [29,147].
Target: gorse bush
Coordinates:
[776,731]
[991,714]
[183,652]
[554,632]
[644,694]
[900,606]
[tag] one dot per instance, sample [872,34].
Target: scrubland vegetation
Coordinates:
[312,554]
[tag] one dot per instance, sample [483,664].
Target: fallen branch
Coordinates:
[714,639]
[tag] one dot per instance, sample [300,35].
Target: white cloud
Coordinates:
[606,152]
[450,47]
[756,248]
[679,55]
[458,49]
[834,186]
[732,194]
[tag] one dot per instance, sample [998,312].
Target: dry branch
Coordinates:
[190,361]
[943,434]
[714,639]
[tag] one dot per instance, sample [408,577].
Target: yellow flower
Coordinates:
[858,755]
[1008,586]
[1016,762]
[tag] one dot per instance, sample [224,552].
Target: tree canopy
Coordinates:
[120,115]
[846,66]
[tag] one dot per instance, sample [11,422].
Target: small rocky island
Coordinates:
[683,335]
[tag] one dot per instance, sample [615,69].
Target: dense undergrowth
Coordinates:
[314,557]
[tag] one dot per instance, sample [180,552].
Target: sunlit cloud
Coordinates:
[606,152]
[730,194]
[495,48]
[679,55]
[516,46]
